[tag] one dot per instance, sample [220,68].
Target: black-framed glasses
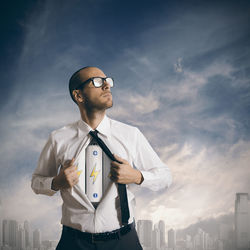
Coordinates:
[98,82]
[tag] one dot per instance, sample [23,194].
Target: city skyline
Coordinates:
[37,240]
[22,236]
[57,230]
[225,234]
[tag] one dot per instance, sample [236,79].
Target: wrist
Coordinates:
[54,184]
[139,178]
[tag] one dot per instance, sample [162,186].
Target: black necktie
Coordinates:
[121,187]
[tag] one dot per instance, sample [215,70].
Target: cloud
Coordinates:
[25,131]
[204,185]
[130,106]
[143,104]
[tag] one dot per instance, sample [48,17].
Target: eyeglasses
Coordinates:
[98,82]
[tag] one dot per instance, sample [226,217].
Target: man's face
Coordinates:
[95,98]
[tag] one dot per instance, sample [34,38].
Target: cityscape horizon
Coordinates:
[221,233]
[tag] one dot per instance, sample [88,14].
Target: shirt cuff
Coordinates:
[146,178]
[47,186]
[154,182]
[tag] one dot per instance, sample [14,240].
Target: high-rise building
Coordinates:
[21,239]
[219,244]
[171,238]
[162,233]
[189,244]
[13,229]
[36,239]
[49,244]
[144,228]
[10,228]
[199,240]
[206,241]
[212,242]
[156,238]
[27,233]
[6,237]
[31,240]
[242,221]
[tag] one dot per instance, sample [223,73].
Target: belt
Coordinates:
[95,237]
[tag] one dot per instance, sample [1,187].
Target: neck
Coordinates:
[92,118]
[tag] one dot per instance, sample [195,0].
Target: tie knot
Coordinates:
[93,133]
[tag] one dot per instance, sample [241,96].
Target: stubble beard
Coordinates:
[93,106]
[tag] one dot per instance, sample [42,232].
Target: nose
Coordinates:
[106,85]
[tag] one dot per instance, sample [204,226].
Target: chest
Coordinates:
[87,159]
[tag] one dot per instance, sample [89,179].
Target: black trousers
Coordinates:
[73,241]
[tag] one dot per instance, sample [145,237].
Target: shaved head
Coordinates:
[82,75]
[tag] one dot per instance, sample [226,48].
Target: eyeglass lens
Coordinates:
[98,81]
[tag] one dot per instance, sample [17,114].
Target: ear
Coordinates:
[78,96]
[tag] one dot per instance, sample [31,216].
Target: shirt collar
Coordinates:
[103,127]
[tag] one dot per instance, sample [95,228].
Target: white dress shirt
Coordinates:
[71,141]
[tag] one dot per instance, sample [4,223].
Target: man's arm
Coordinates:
[124,173]
[151,172]
[46,170]
[45,179]
[156,174]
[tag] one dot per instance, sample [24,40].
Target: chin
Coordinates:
[109,105]
[105,105]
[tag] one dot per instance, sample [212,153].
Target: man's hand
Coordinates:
[67,176]
[123,172]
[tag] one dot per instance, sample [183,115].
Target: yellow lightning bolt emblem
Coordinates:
[79,171]
[94,174]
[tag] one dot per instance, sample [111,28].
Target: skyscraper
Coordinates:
[156,239]
[206,241]
[6,237]
[242,221]
[162,233]
[171,238]
[36,239]
[189,244]
[199,240]
[27,233]
[21,239]
[13,228]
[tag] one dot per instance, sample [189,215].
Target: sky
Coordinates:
[181,71]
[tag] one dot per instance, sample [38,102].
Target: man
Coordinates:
[87,225]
